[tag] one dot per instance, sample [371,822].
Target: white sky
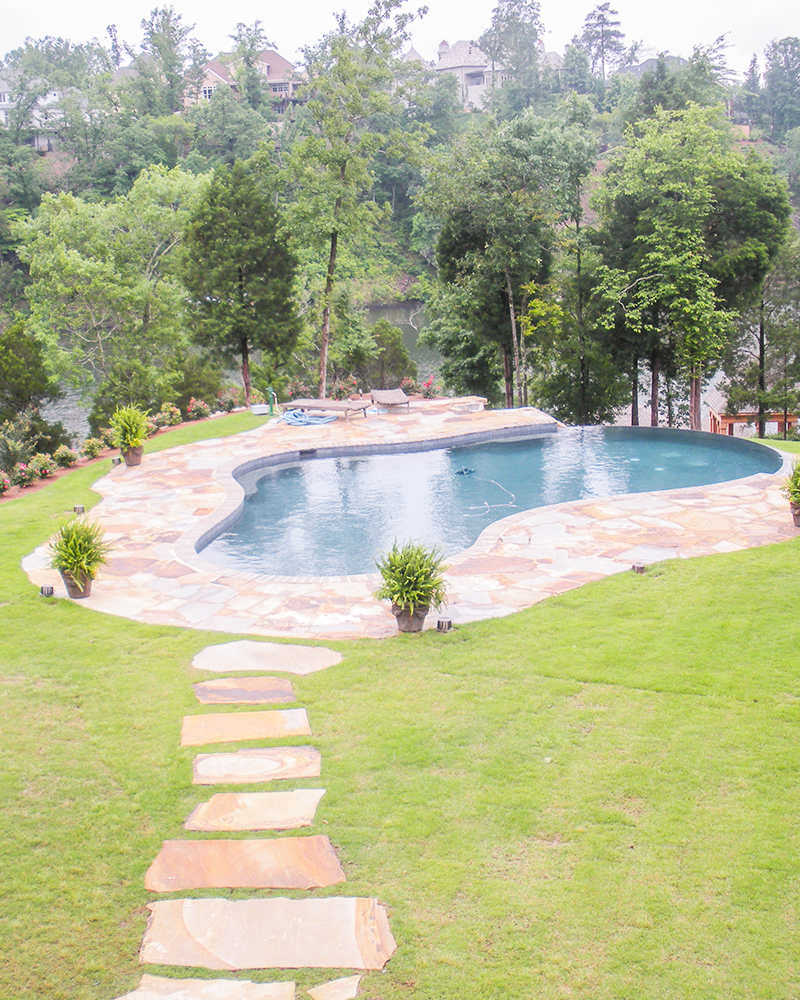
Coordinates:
[671,25]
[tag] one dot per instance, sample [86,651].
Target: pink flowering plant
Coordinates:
[429,389]
[197,409]
[42,465]
[22,475]
[5,482]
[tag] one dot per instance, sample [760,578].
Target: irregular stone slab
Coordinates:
[255,811]
[286,863]
[244,691]
[247,654]
[230,726]
[332,933]
[336,989]
[160,988]
[244,766]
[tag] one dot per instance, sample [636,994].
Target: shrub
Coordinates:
[297,389]
[409,386]
[27,434]
[152,426]
[42,465]
[5,482]
[92,447]
[256,396]
[344,387]
[21,475]
[106,436]
[429,389]
[228,399]
[197,409]
[78,548]
[168,416]
[65,457]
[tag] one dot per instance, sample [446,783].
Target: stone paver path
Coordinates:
[244,691]
[224,728]
[246,654]
[285,863]
[333,933]
[232,811]
[246,766]
[160,988]
[154,515]
[336,989]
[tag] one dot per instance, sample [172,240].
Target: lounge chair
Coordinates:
[346,406]
[390,397]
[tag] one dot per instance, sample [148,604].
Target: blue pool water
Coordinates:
[326,517]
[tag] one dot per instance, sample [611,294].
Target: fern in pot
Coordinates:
[791,490]
[129,427]
[413,581]
[77,551]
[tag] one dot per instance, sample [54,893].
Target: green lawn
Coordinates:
[595,798]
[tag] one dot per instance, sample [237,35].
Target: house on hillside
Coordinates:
[281,79]
[477,74]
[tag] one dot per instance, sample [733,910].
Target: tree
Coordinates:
[103,282]
[690,228]
[24,380]
[239,271]
[249,42]
[603,39]
[782,85]
[158,84]
[351,78]
[512,41]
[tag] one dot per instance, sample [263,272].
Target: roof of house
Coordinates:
[462,54]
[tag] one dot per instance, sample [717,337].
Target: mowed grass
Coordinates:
[595,798]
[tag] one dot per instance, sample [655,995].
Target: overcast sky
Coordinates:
[671,25]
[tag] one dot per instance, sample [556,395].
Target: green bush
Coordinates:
[92,447]
[412,577]
[129,425]
[65,457]
[42,465]
[79,549]
[26,434]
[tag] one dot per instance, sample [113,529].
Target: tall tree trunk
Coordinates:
[509,377]
[326,316]
[694,398]
[762,369]
[244,350]
[654,372]
[583,388]
[635,393]
[670,404]
[514,338]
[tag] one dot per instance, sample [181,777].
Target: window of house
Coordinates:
[207,93]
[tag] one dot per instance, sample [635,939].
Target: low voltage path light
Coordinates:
[46,591]
[444,625]
[78,508]
[638,567]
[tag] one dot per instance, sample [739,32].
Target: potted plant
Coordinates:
[791,490]
[413,582]
[129,426]
[77,552]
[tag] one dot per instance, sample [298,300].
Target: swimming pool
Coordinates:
[330,517]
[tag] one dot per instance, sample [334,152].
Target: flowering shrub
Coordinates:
[92,447]
[107,436]
[21,475]
[197,409]
[299,390]
[42,465]
[168,416]
[344,387]
[5,482]
[409,386]
[228,399]
[65,457]
[429,390]
[257,397]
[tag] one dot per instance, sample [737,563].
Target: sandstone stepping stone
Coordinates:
[285,863]
[255,811]
[247,654]
[160,988]
[244,766]
[244,691]
[225,727]
[336,989]
[333,933]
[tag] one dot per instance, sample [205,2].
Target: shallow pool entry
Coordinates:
[329,517]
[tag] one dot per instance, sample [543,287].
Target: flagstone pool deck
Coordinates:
[156,513]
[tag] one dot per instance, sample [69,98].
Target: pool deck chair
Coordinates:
[346,406]
[390,397]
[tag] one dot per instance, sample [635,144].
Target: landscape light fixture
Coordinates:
[78,508]
[46,591]
[444,625]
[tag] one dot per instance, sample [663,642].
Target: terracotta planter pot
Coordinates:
[406,622]
[133,456]
[73,586]
[795,514]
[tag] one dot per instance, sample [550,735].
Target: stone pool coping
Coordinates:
[156,513]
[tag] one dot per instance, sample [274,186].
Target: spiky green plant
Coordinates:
[791,487]
[129,425]
[412,577]
[79,549]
